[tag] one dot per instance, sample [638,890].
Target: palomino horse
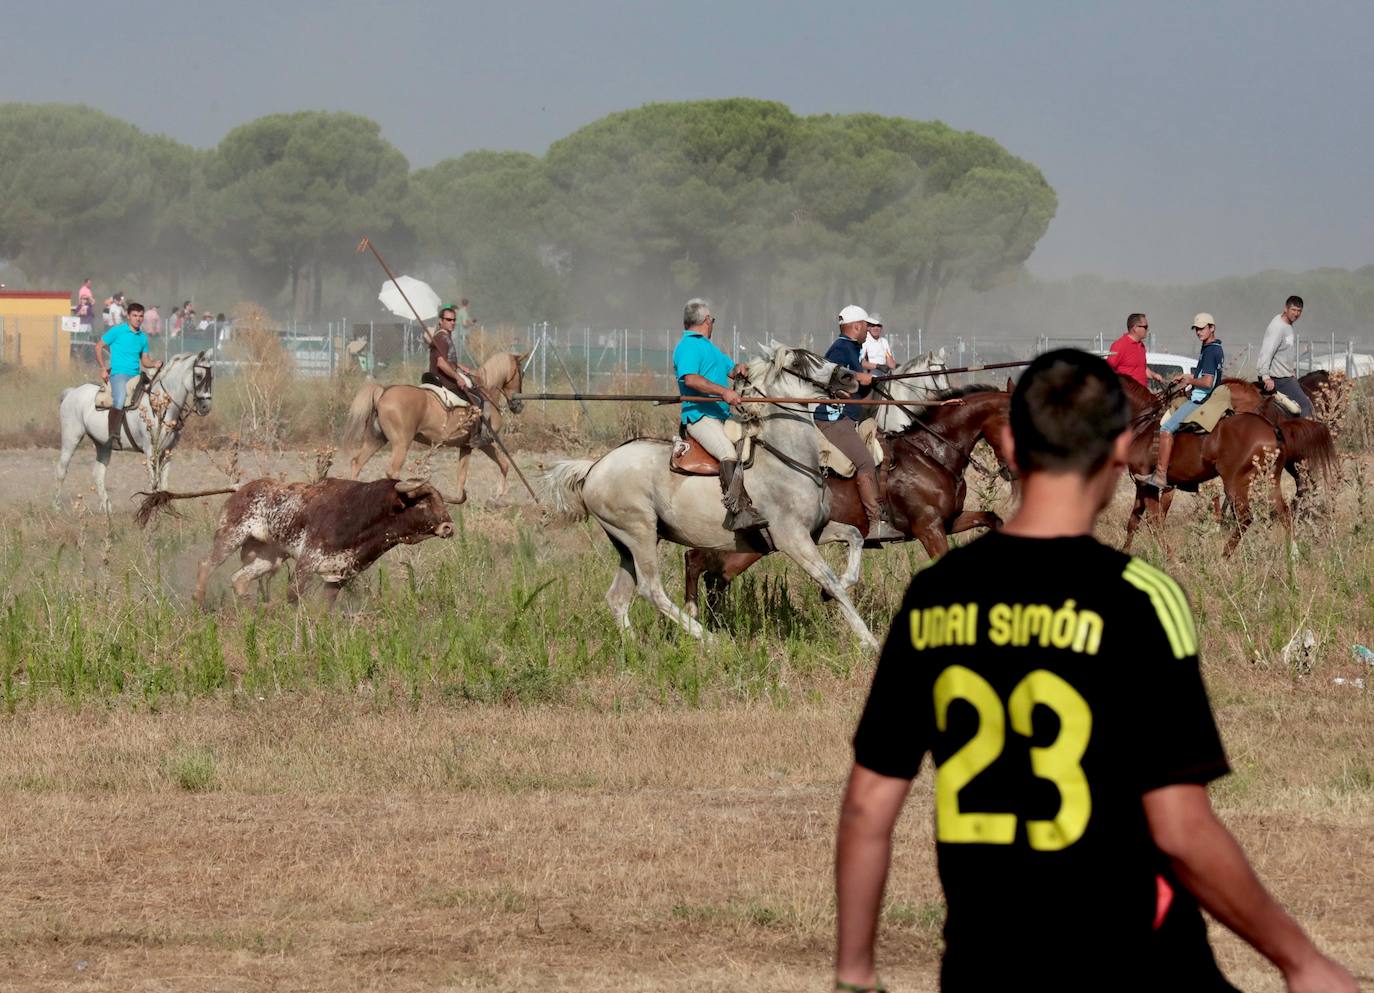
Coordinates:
[182,387]
[403,414]
[923,476]
[637,499]
[1307,442]
[1235,450]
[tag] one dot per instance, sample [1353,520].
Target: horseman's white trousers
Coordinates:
[710,434]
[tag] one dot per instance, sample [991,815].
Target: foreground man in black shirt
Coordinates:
[1055,683]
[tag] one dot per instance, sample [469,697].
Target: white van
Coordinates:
[1168,364]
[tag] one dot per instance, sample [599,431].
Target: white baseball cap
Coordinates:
[875,318]
[852,313]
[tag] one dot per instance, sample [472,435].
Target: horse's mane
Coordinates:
[959,392]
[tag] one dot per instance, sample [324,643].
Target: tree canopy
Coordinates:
[778,218]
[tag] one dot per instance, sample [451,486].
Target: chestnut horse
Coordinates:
[1234,450]
[401,414]
[1305,440]
[923,480]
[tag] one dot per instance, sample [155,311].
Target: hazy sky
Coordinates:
[1186,141]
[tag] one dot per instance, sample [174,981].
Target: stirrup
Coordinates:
[883,531]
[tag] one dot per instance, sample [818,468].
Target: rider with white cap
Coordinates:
[839,422]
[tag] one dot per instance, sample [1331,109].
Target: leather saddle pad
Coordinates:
[690,459]
[1205,419]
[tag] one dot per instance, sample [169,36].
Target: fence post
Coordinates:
[55,326]
[1349,359]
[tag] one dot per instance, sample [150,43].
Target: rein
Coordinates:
[919,422]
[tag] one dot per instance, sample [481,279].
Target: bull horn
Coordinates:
[409,486]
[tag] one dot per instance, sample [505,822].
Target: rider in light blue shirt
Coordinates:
[123,353]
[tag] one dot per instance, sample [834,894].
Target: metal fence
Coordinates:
[591,359]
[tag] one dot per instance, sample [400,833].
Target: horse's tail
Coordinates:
[362,416]
[158,499]
[1310,442]
[562,484]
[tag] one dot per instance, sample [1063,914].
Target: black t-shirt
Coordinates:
[1053,682]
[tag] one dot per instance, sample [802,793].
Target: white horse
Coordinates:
[916,391]
[637,500]
[181,388]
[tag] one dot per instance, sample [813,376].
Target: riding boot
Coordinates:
[116,425]
[740,513]
[878,528]
[1160,480]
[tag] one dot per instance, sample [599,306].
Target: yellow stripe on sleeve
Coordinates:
[1170,605]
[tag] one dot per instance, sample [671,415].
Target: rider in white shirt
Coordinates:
[877,354]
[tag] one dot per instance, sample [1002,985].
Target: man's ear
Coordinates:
[1009,447]
[1121,449]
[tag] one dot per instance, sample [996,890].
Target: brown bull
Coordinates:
[334,529]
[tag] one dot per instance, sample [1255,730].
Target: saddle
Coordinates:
[104,397]
[690,459]
[446,396]
[1204,420]
[837,463]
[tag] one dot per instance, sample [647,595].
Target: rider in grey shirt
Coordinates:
[1278,359]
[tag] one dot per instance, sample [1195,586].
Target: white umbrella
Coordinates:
[420,293]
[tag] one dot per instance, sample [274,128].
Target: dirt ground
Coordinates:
[339,845]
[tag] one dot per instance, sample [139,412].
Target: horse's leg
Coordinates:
[494,453]
[102,462]
[1238,492]
[799,547]
[399,449]
[694,563]
[70,439]
[971,519]
[368,447]
[1133,521]
[464,455]
[622,589]
[851,536]
[931,536]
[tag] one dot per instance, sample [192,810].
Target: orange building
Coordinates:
[31,332]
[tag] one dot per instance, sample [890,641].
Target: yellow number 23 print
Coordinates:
[1057,762]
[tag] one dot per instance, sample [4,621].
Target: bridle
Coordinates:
[785,412]
[198,396]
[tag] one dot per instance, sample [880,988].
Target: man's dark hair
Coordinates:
[464,301]
[447,310]
[134,307]
[1133,320]
[1066,413]
[1294,301]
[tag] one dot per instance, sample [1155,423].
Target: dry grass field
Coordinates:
[465,779]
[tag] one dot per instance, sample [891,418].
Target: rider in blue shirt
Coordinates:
[839,422]
[1204,380]
[123,352]
[703,370]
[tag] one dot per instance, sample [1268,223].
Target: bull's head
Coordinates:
[421,506]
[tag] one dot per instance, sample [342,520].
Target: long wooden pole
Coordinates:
[666,399]
[951,372]
[367,243]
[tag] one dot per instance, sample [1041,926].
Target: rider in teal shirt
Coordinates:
[127,348]
[695,353]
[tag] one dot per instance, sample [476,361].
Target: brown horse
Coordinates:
[1307,442]
[1235,450]
[402,414]
[922,476]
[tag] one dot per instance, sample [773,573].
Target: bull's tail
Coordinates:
[159,499]
[562,484]
[1309,442]
[362,417]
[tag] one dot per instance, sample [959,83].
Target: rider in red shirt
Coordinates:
[1128,352]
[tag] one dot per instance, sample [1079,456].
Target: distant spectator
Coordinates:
[152,321]
[465,322]
[114,310]
[876,354]
[85,313]
[86,293]
[205,322]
